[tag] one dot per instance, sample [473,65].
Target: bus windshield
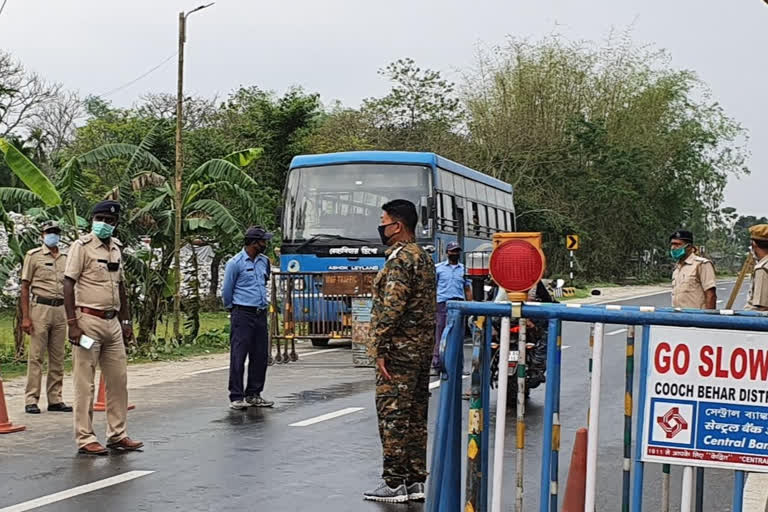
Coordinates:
[345,200]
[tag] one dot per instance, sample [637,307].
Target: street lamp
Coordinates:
[179,170]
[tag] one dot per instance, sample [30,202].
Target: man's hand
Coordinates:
[382,367]
[127,333]
[74,334]
[26,325]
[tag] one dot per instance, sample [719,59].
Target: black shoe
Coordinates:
[32,409]
[60,407]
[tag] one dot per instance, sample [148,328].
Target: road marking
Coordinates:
[720,302]
[75,491]
[564,347]
[301,354]
[324,417]
[613,333]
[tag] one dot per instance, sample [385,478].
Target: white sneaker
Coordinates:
[238,405]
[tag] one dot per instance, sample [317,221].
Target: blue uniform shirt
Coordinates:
[245,281]
[450,281]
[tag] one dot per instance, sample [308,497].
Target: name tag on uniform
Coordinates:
[49,264]
[249,270]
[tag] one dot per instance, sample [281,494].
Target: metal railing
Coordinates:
[444,489]
[313,306]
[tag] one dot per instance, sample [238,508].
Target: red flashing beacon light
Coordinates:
[517,263]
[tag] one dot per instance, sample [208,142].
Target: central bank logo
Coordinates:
[672,422]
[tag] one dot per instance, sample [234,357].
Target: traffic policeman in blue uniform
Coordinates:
[244,294]
[452,284]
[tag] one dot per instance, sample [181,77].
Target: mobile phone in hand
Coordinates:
[86,342]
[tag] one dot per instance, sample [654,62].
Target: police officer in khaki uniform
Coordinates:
[44,319]
[94,297]
[758,293]
[693,280]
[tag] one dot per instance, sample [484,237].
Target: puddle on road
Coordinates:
[253,415]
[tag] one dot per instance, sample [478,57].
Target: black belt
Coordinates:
[49,302]
[251,309]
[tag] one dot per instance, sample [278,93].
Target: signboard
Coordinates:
[348,283]
[706,399]
[361,332]
[572,242]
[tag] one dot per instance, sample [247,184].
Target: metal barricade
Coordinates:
[444,488]
[314,306]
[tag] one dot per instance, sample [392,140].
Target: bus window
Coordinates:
[482,220]
[476,219]
[492,219]
[448,220]
[470,190]
[458,186]
[500,199]
[446,181]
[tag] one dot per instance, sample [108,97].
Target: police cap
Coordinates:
[681,234]
[50,225]
[452,246]
[108,206]
[759,232]
[257,233]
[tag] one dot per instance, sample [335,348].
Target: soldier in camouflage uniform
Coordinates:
[403,331]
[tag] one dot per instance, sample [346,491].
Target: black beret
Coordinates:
[681,234]
[111,207]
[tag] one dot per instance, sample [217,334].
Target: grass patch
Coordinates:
[213,338]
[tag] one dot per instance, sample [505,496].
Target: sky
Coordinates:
[335,47]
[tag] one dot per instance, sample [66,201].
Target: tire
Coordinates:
[320,342]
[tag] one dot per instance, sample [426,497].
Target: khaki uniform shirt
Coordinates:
[44,272]
[758,293]
[87,264]
[690,280]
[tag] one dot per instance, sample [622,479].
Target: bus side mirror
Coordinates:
[278,215]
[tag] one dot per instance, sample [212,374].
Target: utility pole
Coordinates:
[179,172]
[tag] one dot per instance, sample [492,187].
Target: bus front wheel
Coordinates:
[319,342]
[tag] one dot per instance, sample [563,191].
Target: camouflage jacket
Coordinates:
[404,304]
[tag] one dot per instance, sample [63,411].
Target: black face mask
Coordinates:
[453,258]
[382,230]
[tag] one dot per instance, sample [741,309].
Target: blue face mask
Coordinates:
[102,230]
[51,239]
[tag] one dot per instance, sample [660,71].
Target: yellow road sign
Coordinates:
[572,242]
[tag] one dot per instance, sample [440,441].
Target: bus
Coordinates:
[332,203]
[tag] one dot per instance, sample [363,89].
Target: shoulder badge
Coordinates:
[394,253]
[33,251]
[85,239]
[701,259]
[117,242]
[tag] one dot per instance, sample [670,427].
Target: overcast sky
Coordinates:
[334,47]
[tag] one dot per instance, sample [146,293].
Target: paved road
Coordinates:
[317,450]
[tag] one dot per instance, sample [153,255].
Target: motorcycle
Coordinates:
[535,366]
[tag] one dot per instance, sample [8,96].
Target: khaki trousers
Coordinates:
[108,352]
[49,334]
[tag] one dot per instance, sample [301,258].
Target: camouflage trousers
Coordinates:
[401,404]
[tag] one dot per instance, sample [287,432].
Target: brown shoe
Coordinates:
[126,444]
[94,448]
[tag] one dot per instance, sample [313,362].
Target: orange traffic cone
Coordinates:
[101,399]
[6,427]
[576,488]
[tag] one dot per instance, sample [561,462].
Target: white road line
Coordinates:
[301,354]
[564,347]
[325,417]
[720,301]
[75,491]
[613,333]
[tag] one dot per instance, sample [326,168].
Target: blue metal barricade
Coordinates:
[444,487]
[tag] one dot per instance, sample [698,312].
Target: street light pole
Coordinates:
[179,172]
